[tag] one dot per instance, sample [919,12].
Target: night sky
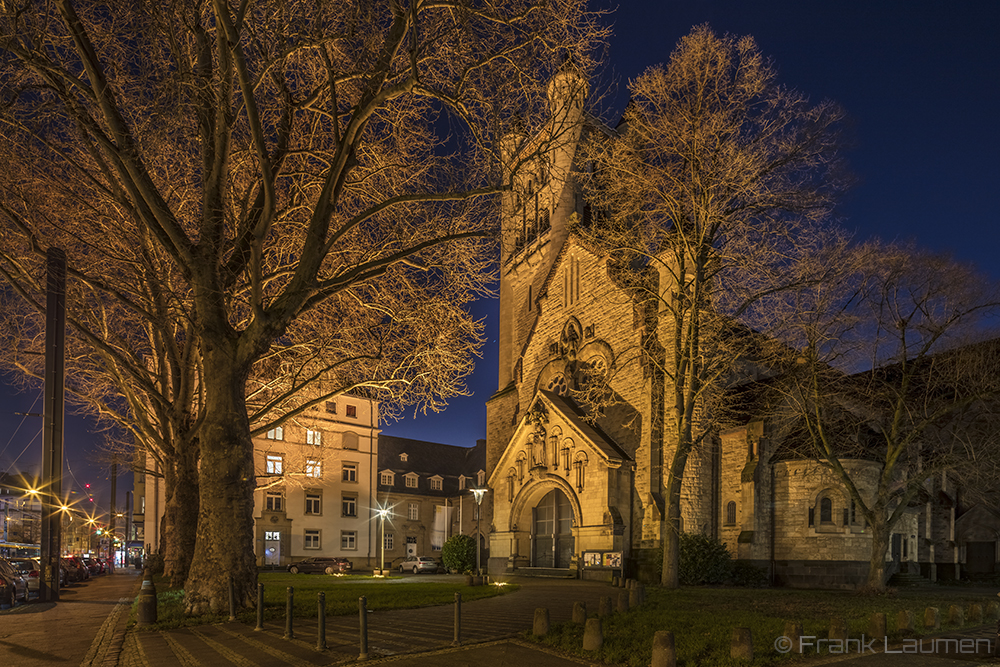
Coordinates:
[920,81]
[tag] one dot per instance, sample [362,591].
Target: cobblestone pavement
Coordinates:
[85,627]
[390,634]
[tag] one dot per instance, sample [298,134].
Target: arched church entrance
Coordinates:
[552,531]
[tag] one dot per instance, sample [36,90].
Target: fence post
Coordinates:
[458,620]
[363,628]
[289,608]
[321,621]
[260,607]
[232,599]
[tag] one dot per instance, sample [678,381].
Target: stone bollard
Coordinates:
[904,621]
[458,620]
[877,625]
[839,630]
[992,611]
[664,654]
[956,615]
[605,608]
[622,581]
[321,621]
[541,624]
[362,628]
[580,612]
[793,630]
[232,599]
[641,587]
[260,607]
[741,647]
[976,614]
[593,637]
[147,601]
[614,582]
[633,597]
[623,601]
[932,619]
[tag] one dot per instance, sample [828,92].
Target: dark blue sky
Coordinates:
[919,79]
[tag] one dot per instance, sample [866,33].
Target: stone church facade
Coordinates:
[573,494]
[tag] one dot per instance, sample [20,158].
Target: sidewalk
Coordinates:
[85,627]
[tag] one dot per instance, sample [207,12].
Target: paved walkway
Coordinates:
[404,636]
[85,627]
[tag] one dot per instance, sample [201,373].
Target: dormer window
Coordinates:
[386,478]
[462,482]
[411,480]
[403,457]
[436,483]
[481,478]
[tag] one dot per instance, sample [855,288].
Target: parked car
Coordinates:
[76,570]
[329,565]
[95,566]
[417,564]
[13,585]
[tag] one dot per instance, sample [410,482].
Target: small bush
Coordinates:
[703,560]
[459,553]
[749,575]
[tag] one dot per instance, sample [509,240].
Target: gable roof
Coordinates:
[574,417]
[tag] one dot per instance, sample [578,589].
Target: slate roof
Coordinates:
[428,459]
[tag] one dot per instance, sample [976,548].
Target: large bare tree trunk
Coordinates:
[671,540]
[181,514]
[876,563]
[225,533]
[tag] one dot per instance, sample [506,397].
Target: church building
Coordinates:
[582,497]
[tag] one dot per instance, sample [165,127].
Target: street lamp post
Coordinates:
[382,513]
[478,494]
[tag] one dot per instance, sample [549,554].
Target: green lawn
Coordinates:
[702,620]
[342,593]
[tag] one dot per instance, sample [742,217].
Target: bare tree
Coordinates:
[329,162]
[713,190]
[891,369]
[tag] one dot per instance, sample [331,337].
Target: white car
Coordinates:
[417,564]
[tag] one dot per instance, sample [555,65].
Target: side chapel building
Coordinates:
[569,494]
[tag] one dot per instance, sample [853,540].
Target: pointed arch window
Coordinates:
[730,513]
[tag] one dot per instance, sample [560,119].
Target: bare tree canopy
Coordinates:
[717,185]
[315,178]
[893,366]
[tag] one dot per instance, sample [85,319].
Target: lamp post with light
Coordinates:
[382,514]
[478,494]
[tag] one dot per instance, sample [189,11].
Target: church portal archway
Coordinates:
[552,531]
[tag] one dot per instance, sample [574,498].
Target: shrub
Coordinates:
[749,575]
[703,560]
[154,563]
[459,553]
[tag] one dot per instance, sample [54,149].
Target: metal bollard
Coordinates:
[232,599]
[289,608]
[260,607]
[147,603]
[458,620]
[363,628]
[321,621]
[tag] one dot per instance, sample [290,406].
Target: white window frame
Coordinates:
[437,483]
[386,478]
[276,433]
[275,464]
[411,480]
[413,511]
[314,503]
[314,468]
[349,505]
[349,472]
[349,540]
[312,539]
[387,541]
[270,497]
[314,437]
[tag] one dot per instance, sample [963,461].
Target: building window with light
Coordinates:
[313,468]
[314,504]
[275,464]
[276,433]
[349,505]
[312,539]
[314,437]
[413,511]
[386,479]
[348,540]
[350,472]
[387,541]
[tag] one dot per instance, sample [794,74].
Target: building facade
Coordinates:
[427,488]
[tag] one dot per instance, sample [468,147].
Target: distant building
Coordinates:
[428,487]
[315,485]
